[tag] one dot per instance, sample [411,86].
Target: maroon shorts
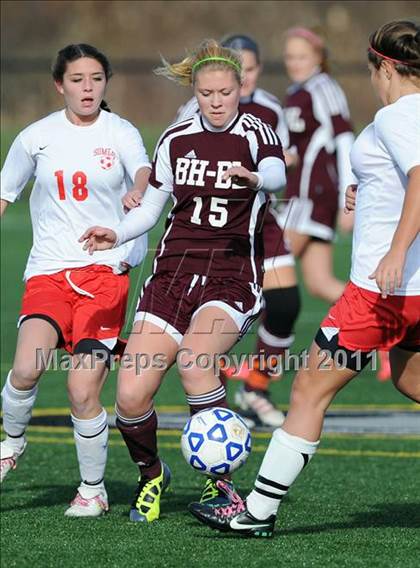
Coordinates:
[81,303]
[171,301]
[313,203]
[365,321]
[276,251]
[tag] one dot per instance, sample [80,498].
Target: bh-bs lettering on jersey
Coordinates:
[214,227]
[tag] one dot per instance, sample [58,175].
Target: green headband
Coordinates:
[216,58]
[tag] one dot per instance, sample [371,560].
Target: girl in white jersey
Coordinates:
[380,307]
[80,158]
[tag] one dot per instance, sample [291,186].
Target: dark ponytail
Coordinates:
[398,42]
[104,106]
[73,52]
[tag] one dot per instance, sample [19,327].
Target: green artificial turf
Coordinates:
[356,505]
[345,510]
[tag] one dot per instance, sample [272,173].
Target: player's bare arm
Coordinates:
[388,273]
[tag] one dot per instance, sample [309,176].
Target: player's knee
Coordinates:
[82,400]
[194,375]
[25,375]
[410,389]
[282,306]
[132,405]
[189,376]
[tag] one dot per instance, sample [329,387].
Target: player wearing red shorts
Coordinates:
[205,290]
[380,307]
[280,289]
[80,158]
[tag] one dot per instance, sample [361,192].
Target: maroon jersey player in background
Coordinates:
[281,293]
[319,127]
[205,290]
[318,120]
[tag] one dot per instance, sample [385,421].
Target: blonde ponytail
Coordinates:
[208,53]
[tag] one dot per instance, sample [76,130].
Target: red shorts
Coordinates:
[365,321]
[276,251]
[170,301]
[81,303]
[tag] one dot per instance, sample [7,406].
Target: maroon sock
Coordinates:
[140,436]
[212,399]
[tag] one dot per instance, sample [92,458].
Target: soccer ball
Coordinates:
[216,441]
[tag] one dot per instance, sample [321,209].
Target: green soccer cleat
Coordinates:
[146,505]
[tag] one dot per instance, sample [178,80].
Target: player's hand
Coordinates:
[98,238]
[131,199]
[388,273]
[345,221]
[350,202]
[241,176]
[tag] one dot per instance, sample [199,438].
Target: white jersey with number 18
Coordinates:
[80,174]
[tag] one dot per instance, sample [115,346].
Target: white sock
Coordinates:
[91,437]
[284,459]
[17,412]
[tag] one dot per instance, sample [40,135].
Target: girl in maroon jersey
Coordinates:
[318,120]
[281,293]
[319,126]
[205,290]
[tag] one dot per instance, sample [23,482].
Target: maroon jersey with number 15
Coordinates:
[214,227]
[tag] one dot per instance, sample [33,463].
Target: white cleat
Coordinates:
[257,403]
[8,458]
[89,502]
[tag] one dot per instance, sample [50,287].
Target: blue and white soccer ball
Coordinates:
[216,441]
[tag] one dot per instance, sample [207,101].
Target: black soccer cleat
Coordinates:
[247,525]
[233,518]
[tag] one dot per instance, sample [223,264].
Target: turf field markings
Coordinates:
[166,409]
[258,435]
[176,446]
